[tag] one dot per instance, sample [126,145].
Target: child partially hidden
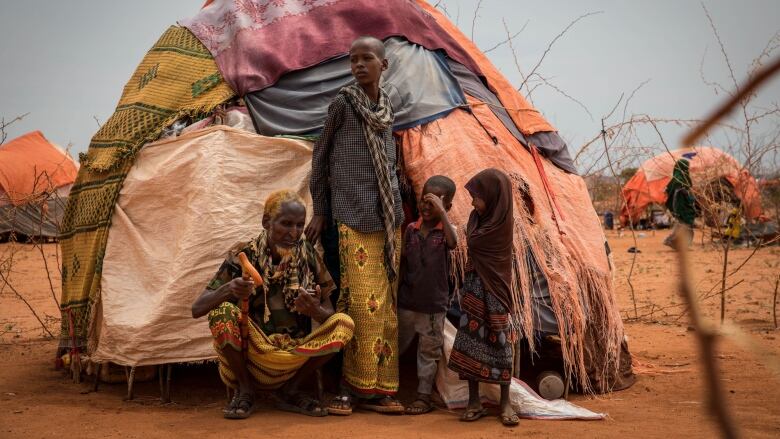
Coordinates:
[424,292]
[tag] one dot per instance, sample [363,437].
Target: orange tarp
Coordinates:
[459,146]
[527,118]
[648,185]
[30,165]
[576,264]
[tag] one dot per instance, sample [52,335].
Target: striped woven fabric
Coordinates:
[177,77]
[274,358]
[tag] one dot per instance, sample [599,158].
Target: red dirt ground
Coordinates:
[667,400]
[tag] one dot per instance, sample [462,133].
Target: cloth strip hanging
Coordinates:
[547,188]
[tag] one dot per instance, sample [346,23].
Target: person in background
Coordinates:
[681,202]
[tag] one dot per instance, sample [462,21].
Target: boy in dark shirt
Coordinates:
[424,292]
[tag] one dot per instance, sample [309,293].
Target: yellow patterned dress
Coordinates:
[371,358]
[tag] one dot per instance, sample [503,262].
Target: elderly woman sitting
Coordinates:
[283,349]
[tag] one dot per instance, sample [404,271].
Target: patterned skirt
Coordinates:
[371,358]
[482,350]
[273,359]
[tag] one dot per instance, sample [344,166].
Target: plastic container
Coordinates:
[550,385]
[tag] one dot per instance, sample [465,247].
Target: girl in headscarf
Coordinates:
[680,201]
[482,351]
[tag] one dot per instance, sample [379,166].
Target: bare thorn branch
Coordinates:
[721,45]
[557,37]
[443,8]
[771,45]
[474,20]
[706,337]
[4,125]
[741,93]
[612,111]
[514,57]
[566,95]
[20,297]
[508,39]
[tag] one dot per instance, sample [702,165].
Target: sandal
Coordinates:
[383,405]
[509,421]
[471,415]
[419,406]
[340,405]
[243,407]
[231,405]
[300,403]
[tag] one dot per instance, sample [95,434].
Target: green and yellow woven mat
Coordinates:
[178,77]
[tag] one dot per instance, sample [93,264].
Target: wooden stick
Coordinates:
[168,370]
[48,275]
[96,380]
[130,383]
[161,381]
[774,302]
[248,272]
[706,336]
[723,280]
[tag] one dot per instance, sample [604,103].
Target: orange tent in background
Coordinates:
[35,179]
[708,164]
[30,166]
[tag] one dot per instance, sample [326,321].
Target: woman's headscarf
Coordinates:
[489,236]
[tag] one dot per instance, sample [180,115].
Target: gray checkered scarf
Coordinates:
[374,122]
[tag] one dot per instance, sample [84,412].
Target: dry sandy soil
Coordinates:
[667,400]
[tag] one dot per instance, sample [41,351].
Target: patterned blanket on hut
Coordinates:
[255,42]
[178,77]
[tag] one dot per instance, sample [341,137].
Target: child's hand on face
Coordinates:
[436,202]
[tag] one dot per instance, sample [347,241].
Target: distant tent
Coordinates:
[708,165]
[35,178]
[166,187]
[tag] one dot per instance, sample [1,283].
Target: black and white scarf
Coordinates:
[375,120]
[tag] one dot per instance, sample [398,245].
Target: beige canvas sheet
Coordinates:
[184,203]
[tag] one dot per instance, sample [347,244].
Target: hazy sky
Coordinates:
[67,61]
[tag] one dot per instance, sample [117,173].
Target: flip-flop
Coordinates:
[418,409]
[245,403]
[231,405]
[302,404]
[336,406]
[377,406]
[509,421]
[471,415]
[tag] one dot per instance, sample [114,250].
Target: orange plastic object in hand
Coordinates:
[249,269]
[248,272]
